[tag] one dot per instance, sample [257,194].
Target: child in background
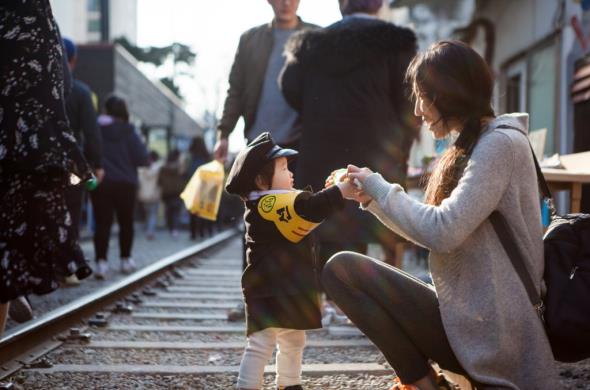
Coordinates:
[149,193]
[172,181]
[280,282]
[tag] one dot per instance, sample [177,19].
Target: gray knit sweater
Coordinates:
[488,318]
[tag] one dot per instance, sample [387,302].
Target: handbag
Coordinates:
[565,308]
[202,194]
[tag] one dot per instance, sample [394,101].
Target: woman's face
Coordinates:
[430,115]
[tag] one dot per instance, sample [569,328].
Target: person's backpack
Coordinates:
[566,305]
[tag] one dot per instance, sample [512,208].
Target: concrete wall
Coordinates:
[106,69]
[95,67]
[71,16]
[519,24]
[123,19]
[149,100]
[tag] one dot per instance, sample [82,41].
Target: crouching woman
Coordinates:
[477,319]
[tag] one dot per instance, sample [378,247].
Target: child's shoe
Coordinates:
[294,387]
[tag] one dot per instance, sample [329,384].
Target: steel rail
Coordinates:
[27,336]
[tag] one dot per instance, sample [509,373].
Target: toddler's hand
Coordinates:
[335,177]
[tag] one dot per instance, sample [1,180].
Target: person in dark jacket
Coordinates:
[346,81]
[123,153]
[82,116]
[253,90]
[280,282]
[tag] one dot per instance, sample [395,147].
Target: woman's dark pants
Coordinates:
[396,311]
[110,199]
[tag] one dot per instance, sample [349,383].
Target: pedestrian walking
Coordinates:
[280,282]
[123,153]
[38,155]
[477,319]
[253,90]
[172,181]
[82,116]
[198,155]
[346,82]
[254,93]
[149,193]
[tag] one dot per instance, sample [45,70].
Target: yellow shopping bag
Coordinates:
[202,194]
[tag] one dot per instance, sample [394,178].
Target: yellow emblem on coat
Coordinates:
[280,209]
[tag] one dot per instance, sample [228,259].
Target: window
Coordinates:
[94,25]
[93,5]
[516,87]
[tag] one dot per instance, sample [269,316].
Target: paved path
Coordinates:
[144,252]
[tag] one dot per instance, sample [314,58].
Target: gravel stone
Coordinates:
[187,357]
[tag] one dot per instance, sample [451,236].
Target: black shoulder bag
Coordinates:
[565,308]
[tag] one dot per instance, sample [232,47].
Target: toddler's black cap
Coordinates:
[250,161]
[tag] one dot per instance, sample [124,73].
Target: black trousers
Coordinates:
[201,225]
[74,196]
[172,208]
[110,199]
[396,311]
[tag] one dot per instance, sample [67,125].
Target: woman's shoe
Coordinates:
[102,267]
[128,265]
[444,383]
[398,385]
[20,310]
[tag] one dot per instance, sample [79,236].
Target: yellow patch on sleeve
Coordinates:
[280,209]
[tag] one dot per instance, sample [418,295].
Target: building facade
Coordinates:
[538,50]
[108,68]
[91,21]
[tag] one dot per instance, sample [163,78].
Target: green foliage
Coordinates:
[169,82]
[178,52]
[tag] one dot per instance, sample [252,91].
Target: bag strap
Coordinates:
[540,177]
[505,235]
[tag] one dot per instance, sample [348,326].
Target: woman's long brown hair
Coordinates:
[460,84]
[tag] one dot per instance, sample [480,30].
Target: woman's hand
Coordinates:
[338,178]
[354,172]
[357,176]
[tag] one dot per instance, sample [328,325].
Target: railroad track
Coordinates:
[165,327]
